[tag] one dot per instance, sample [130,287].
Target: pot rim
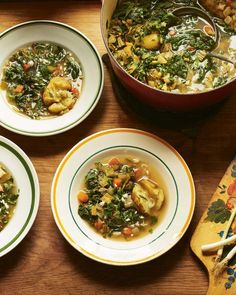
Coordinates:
[141,83]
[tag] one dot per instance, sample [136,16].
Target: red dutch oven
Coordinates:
[154,97]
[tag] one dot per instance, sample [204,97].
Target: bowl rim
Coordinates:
[104,37]
[99,90]
[90,255]
[35,190]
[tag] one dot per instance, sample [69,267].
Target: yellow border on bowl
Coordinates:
[83,142]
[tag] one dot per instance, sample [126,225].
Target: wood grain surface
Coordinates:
[44,263]
[208,232]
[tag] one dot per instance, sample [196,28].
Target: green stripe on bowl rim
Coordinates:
[33,190]
[100,88]
[94,256]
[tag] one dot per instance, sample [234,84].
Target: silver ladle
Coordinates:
[188,10]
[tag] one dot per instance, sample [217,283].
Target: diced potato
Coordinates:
[120,42]
[128,50]
[69,102]
[227,11]
[94,210]
[208,84]
[228,20]
[60,83]
[106,198]
[136,59]
[151,83]
[112,39]
[167,55]
[210,76]
[151,41]
[166,78]
[103,180]
[161,59]
[221,6]
[155,74]
[57,108]
[164,87]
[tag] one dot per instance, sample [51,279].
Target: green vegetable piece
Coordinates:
[220,81]
[218,212]
[154,220]
[72,68]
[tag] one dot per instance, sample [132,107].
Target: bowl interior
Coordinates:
[17,37]
[23,172]
[167,213]
[175,178]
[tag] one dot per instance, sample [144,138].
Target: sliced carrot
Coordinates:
[98,224]
[114,161]
[117,182]
[75,91]
[191,49]
[208,30]
[26,67]
[19,88]
[127,231]
[83,197]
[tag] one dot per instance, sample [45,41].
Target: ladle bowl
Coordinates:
[189,10]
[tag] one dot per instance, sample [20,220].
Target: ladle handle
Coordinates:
[221,57]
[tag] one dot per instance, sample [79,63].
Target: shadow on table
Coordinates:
[10,261]
[123,277]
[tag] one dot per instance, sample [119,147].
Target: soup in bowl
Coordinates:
[163,58]
[51,78]
[122,196]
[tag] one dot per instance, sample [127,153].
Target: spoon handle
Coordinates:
[221,57]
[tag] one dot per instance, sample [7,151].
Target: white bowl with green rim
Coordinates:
[179,191]
[25,176]
[92,68]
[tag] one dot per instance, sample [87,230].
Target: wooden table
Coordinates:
[44,263]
